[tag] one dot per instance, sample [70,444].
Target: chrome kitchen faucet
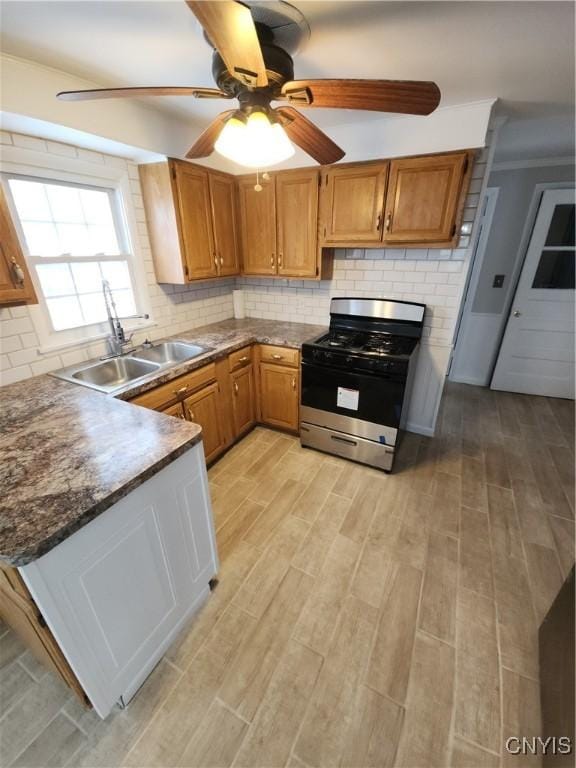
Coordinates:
[117,339]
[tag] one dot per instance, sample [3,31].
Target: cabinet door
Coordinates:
[354,205]
[222,198]
[243,399]
[203,408]
[175,410]
[279,396]
[20,612]
[297,222]
[258,227]
[15,282]
[422,199]
[194,214]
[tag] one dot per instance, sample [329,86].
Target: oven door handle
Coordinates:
[343,440]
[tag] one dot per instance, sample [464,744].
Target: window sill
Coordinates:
[48,349]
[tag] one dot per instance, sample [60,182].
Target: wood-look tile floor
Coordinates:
[361,619]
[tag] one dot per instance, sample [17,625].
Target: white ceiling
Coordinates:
[520,52]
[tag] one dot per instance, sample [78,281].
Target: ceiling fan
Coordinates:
[252,63]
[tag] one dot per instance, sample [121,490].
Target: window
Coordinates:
[75,238]
[556,268]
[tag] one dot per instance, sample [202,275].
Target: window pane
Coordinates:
[87,277]
[75,240]
[41,239]
[55,279]
[555,270]
[103,240]
[117,274]
[96,207]
[124,303]
[30,200]
[78,221]
[561,230]
[65,313]
[93,308]
[65,203]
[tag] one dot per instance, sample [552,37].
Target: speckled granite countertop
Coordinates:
[221,339]
[68,453]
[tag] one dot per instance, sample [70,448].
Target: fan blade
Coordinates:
[231,30]
[204,144]
[412,97]
[115,93]
[309,137]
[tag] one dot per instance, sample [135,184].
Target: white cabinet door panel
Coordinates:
[116,592]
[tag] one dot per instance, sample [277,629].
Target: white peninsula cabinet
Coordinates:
[116,592]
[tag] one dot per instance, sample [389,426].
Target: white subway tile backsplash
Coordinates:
[13,327]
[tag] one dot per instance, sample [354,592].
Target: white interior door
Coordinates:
[537,352]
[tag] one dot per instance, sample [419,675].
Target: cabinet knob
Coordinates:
[221,261]
[378,221]
[388,222]
[236,387]
[277,357]
[272,261]
[18,273]
[181,391]
[516,313]
[279,259]
[293,382]
[243,359]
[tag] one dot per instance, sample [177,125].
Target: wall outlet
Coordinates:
[498,281]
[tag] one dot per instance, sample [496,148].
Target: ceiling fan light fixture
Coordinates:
[254,142]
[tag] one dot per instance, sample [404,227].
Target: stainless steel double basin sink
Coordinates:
[116,372]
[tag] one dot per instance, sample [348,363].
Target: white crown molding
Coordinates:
[539,162]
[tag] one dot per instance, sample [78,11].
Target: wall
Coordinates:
[486,309]
[516,190]
[173,308]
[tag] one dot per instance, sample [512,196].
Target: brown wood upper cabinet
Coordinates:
[280,224]
[409,201]
[354,203]
[15,281]
[191,217]
[423,197]
[223,202]
[258,226]
[297,223]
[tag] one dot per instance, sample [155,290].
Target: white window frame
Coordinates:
[35,166]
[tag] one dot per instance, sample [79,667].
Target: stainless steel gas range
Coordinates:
[356,379]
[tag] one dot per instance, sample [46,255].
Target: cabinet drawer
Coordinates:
[280,355]
[177,388]
[239,358]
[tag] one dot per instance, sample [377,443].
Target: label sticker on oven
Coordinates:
[347,398]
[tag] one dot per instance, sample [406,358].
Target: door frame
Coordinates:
[489,202]
[525,243]
[521,253]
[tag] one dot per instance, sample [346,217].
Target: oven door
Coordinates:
[362,404]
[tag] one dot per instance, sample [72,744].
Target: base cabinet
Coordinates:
[203,408]
[21,614]
[243,409]
[279,396]
[117,592]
